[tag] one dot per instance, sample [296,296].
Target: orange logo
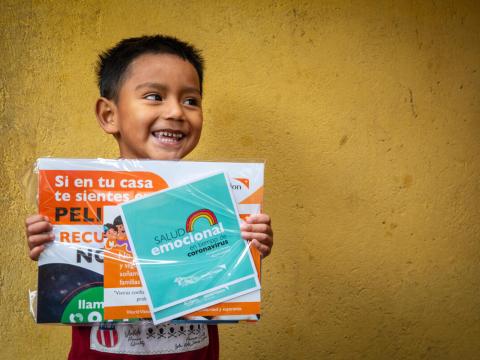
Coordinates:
[244,181]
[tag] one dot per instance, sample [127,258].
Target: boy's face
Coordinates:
[158,111]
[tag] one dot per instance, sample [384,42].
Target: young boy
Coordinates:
[151,102]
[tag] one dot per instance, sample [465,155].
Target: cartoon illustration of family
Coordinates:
[115,235]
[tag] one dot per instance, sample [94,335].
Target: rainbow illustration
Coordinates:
[199,214]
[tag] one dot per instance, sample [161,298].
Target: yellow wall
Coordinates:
[368,114]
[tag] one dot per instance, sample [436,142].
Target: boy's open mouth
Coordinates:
[169,136]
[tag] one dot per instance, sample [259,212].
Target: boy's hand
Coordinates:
[257,228]
[39,233]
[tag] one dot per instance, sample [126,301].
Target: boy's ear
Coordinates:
[106,112]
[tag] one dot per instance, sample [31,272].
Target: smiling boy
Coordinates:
[158,113]
[151,102]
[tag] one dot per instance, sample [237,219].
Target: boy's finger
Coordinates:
[261,237]
[36,240]
[259,219]
[38,228]
[34,219]
[263,249]
[35,252]
[259,228]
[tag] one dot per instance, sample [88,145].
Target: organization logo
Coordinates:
[240,184]
[240,187]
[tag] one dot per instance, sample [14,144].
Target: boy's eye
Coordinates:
[154,97]
[191,102]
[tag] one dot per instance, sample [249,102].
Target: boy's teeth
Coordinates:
[168,134]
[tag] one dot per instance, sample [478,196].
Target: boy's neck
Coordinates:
[121,156]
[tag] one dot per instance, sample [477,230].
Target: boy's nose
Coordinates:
[173,110]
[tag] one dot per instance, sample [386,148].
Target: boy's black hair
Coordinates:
[113,63]
[118,221]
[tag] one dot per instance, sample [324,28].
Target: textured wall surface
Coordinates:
[368,114]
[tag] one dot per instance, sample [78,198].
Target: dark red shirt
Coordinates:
[145,341]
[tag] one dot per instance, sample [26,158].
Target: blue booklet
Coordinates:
[188,247]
